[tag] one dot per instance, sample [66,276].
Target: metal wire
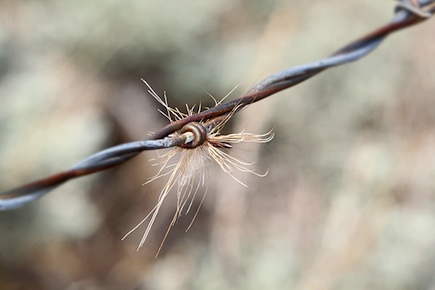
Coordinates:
[407,13]
[102,160]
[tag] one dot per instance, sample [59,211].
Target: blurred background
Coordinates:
[349,200]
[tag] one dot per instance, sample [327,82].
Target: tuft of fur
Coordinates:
[185,167]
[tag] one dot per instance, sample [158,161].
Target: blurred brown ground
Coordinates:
[349,201]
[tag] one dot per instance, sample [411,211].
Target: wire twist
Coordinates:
[407,13]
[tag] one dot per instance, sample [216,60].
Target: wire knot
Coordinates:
[199,134]
[413,7]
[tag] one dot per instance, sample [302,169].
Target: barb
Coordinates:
[407,13]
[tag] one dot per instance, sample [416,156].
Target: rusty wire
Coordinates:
[407,13]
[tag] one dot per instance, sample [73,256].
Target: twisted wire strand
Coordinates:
[102,160]
[407,13]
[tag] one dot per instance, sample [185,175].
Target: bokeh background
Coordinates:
[349,200]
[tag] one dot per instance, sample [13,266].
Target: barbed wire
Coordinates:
[407,13]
